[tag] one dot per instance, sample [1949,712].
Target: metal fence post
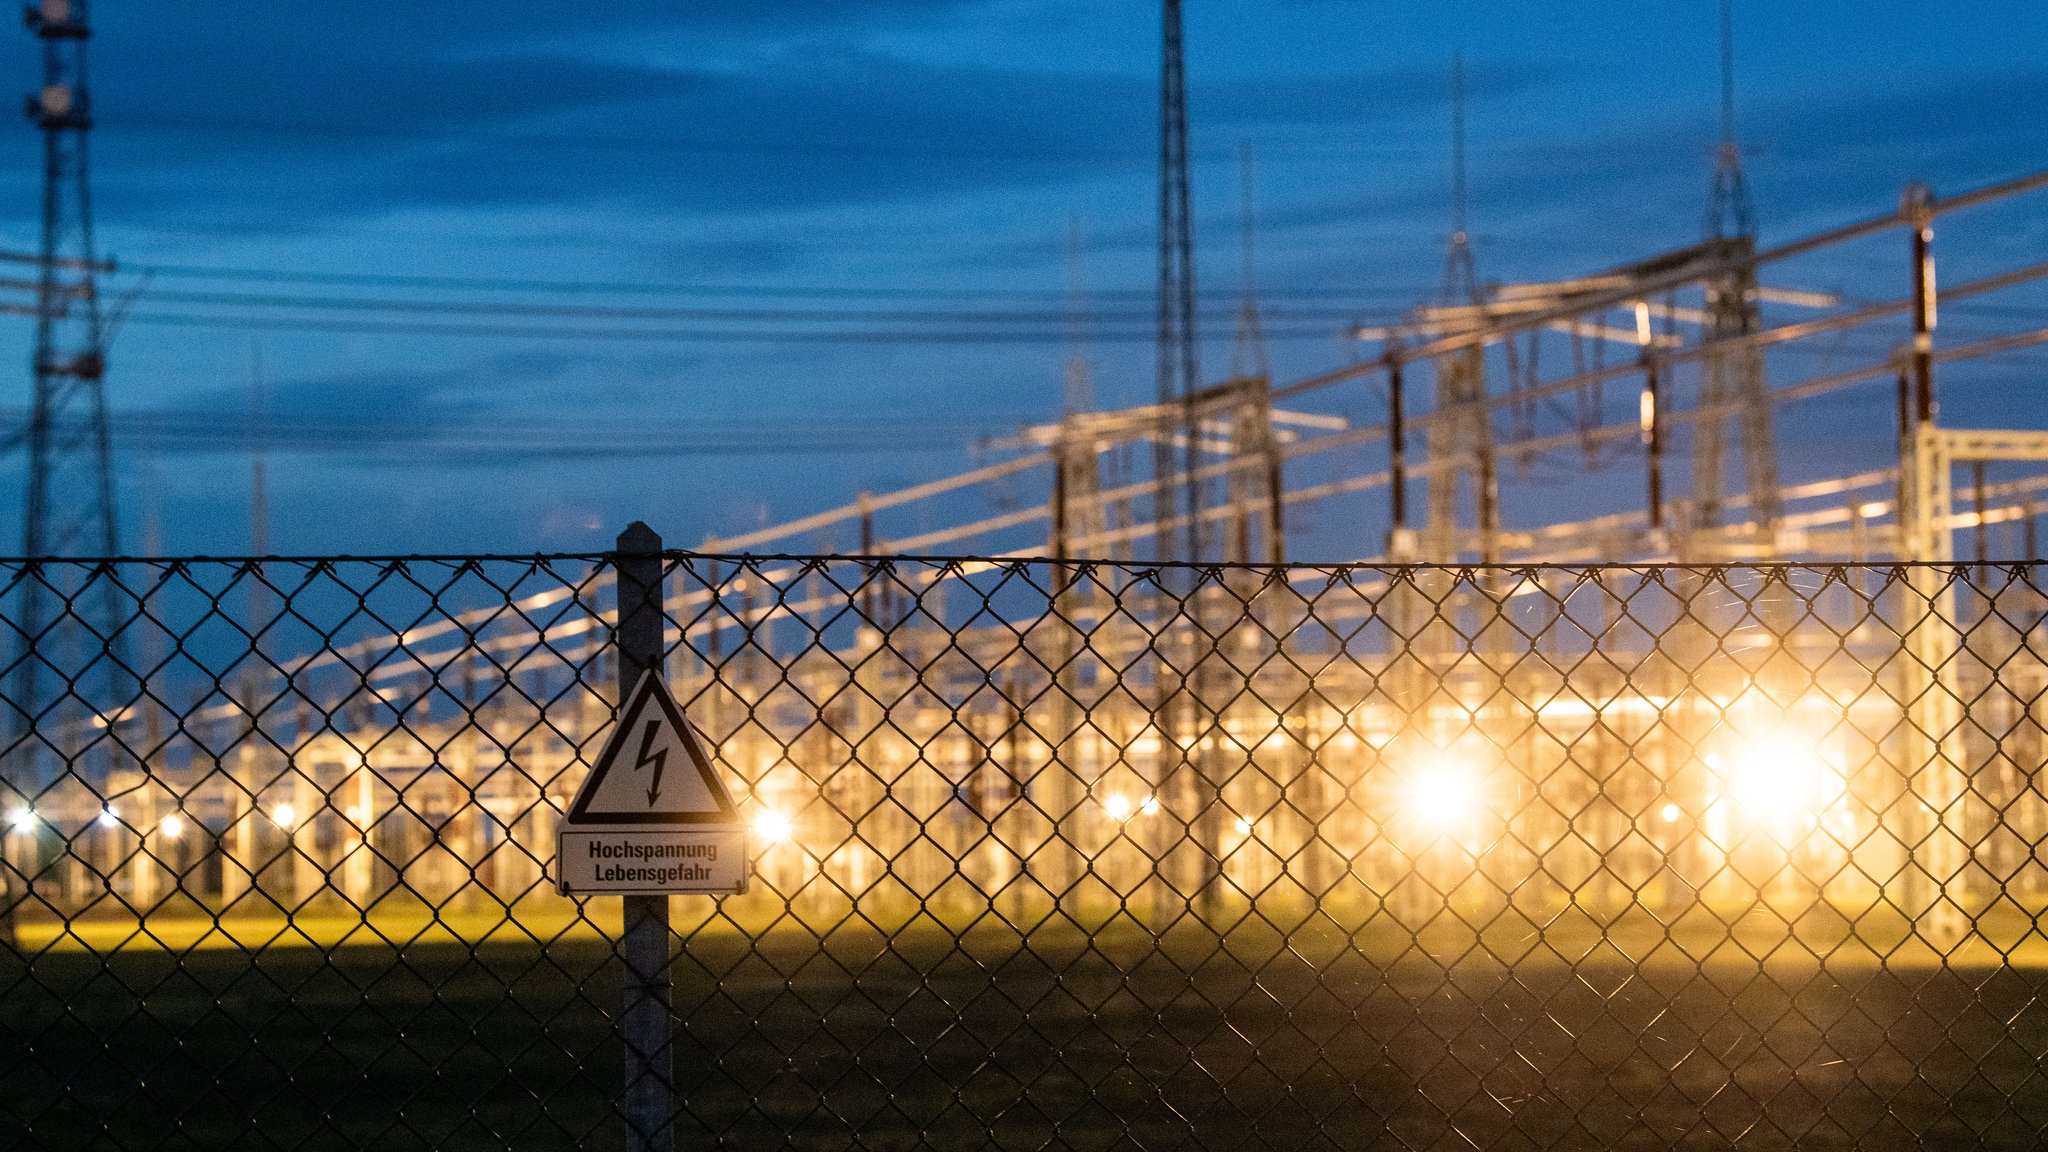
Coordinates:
[645,1024]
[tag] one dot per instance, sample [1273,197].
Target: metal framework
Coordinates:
[1179,345]
[70,506]
[1687,335]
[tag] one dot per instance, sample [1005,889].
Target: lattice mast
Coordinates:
[70,507]
[1461,448]
[1732,378]
[1177,445]
[1729,209]
[71,481]
[1182,713]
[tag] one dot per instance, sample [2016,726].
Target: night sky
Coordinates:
[474,243]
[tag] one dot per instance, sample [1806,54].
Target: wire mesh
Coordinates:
[1081,855]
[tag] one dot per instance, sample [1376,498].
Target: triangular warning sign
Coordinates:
[653,769]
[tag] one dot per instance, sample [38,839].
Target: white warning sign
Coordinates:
[652,817]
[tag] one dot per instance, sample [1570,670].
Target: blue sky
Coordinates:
[910,154]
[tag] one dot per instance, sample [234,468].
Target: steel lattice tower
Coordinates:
[68,635]
[71,480]
[1732,381]
[1461,439]
[1179,369]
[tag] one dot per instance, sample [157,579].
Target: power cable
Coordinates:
[936,337]
[664,288]
[766,145]
[622,312]
[203,431]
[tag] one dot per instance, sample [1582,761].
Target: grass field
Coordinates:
[1129,1040]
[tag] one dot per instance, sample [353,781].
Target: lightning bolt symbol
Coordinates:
[650,756]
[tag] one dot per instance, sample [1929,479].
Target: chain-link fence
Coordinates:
[1083,855]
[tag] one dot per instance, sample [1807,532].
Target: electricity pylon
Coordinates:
[1179,367]
[1732,370]
[68,646]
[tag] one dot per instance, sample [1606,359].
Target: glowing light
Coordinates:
[1149,805]
[1670,813]
[1244,826]
[772,826]
[172,826]
[1643,323]
[284,815]
[357,814]
[1779,779]
[109,816]
[1117,805]
[1443,796]
[21,819]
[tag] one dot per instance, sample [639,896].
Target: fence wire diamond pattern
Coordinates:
[1045,855]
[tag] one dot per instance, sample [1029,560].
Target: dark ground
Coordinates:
[1128,1043]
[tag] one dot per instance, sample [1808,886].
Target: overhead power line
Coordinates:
[214,431]
[1039,317]
[1326,292]
[766,144]
[857,336]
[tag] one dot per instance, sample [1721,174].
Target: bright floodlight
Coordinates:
[21,818]
[1117,805]
[109,816]
[771,826]
[1780,780]
[1149,805]
[1244,826]
[172,826]
[1443,795]
[1671,813]
[285,815]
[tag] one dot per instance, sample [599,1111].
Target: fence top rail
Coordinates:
[990,561]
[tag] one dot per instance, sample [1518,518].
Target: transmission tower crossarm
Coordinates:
[107,267]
